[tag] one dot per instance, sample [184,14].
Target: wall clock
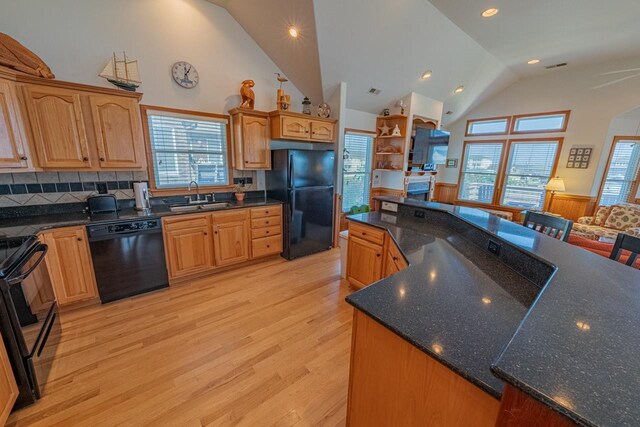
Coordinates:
[185,74]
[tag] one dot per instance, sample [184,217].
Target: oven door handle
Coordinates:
[41,248]
[46,335]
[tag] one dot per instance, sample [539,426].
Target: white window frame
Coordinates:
[368,167]
[148,111]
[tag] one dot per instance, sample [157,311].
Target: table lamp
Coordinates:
[554,184]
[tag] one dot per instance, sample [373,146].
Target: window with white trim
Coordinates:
[480,168]
[529,168]
[356,170]
[621,179]
[539,123]
[187,148]
[497,126]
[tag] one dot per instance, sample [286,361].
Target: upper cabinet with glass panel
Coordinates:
[494,126]
[541,123]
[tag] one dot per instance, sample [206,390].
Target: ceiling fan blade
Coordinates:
[612,82]
[630,70]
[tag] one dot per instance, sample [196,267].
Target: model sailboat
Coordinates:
[122,72]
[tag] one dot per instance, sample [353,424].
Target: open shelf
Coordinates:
[388,170]
[389,154]
[389,136]
[392,117]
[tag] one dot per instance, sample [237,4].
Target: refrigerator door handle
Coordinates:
[292,205]
[291,176]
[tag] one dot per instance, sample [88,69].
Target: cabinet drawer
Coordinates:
[267,211]
[266,232]
[371,234]
[231,216]
[185,221]
[266,222]
[266,246]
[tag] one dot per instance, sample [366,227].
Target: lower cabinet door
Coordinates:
[69,264]
[394,260]
[8,387]
[364,262]
[231,241]
[266,246]
[188,250]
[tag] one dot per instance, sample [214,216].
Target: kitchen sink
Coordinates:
[199,207]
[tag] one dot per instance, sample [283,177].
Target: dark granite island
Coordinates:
[556,323]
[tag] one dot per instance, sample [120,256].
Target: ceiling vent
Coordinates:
[562,64]
[374,91]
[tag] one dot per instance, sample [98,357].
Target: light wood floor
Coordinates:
[265,345]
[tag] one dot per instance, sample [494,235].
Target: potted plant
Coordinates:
[239,192]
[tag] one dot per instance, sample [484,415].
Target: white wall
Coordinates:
[76,38]
[360,120]
[592,110]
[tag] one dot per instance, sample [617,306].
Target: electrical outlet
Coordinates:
[101,187]
[494,247]
[418,214]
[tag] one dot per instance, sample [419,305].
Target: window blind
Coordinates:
[528,170]
[188,148]
[479,171]
[356,172]
[622,173]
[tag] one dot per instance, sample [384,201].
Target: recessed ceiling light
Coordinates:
[533,61]
[293,31]
[459,89]
[490,12]
[426,74]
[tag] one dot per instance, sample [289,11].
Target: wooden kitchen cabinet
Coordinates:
[14,154]
[251,139]
[371,255]
[322,131]
[266,231]
[118,132]
[57,127]
[394,260]
[8,387]
[231,237]
[301,127]
[69,264]
[188,245]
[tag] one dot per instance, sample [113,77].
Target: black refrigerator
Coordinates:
[303,180]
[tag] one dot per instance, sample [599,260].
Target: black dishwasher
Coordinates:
[128,258]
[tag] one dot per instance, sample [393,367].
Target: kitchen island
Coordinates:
[530,317]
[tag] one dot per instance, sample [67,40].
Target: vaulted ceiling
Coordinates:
[389,44]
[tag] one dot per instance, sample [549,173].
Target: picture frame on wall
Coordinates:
[579,157]
[451,163]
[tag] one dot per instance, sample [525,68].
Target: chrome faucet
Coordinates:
[197,191]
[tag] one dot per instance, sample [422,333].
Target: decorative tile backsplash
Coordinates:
[42,188]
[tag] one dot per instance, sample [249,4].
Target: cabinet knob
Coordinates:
[79,239]
[395,258]
[267,232]
[246,161]
[85,159]
[215,232]
[266,222]
[102,159]
[23,158]
[378,254]
[268,246]
[205,233]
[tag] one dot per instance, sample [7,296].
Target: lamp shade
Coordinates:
[555,184]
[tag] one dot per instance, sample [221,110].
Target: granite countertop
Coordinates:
[28,225]
[575,349]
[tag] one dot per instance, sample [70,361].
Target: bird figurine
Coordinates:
[248,97]
[281,79]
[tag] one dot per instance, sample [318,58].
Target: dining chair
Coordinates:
[558,228]
[626,242]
